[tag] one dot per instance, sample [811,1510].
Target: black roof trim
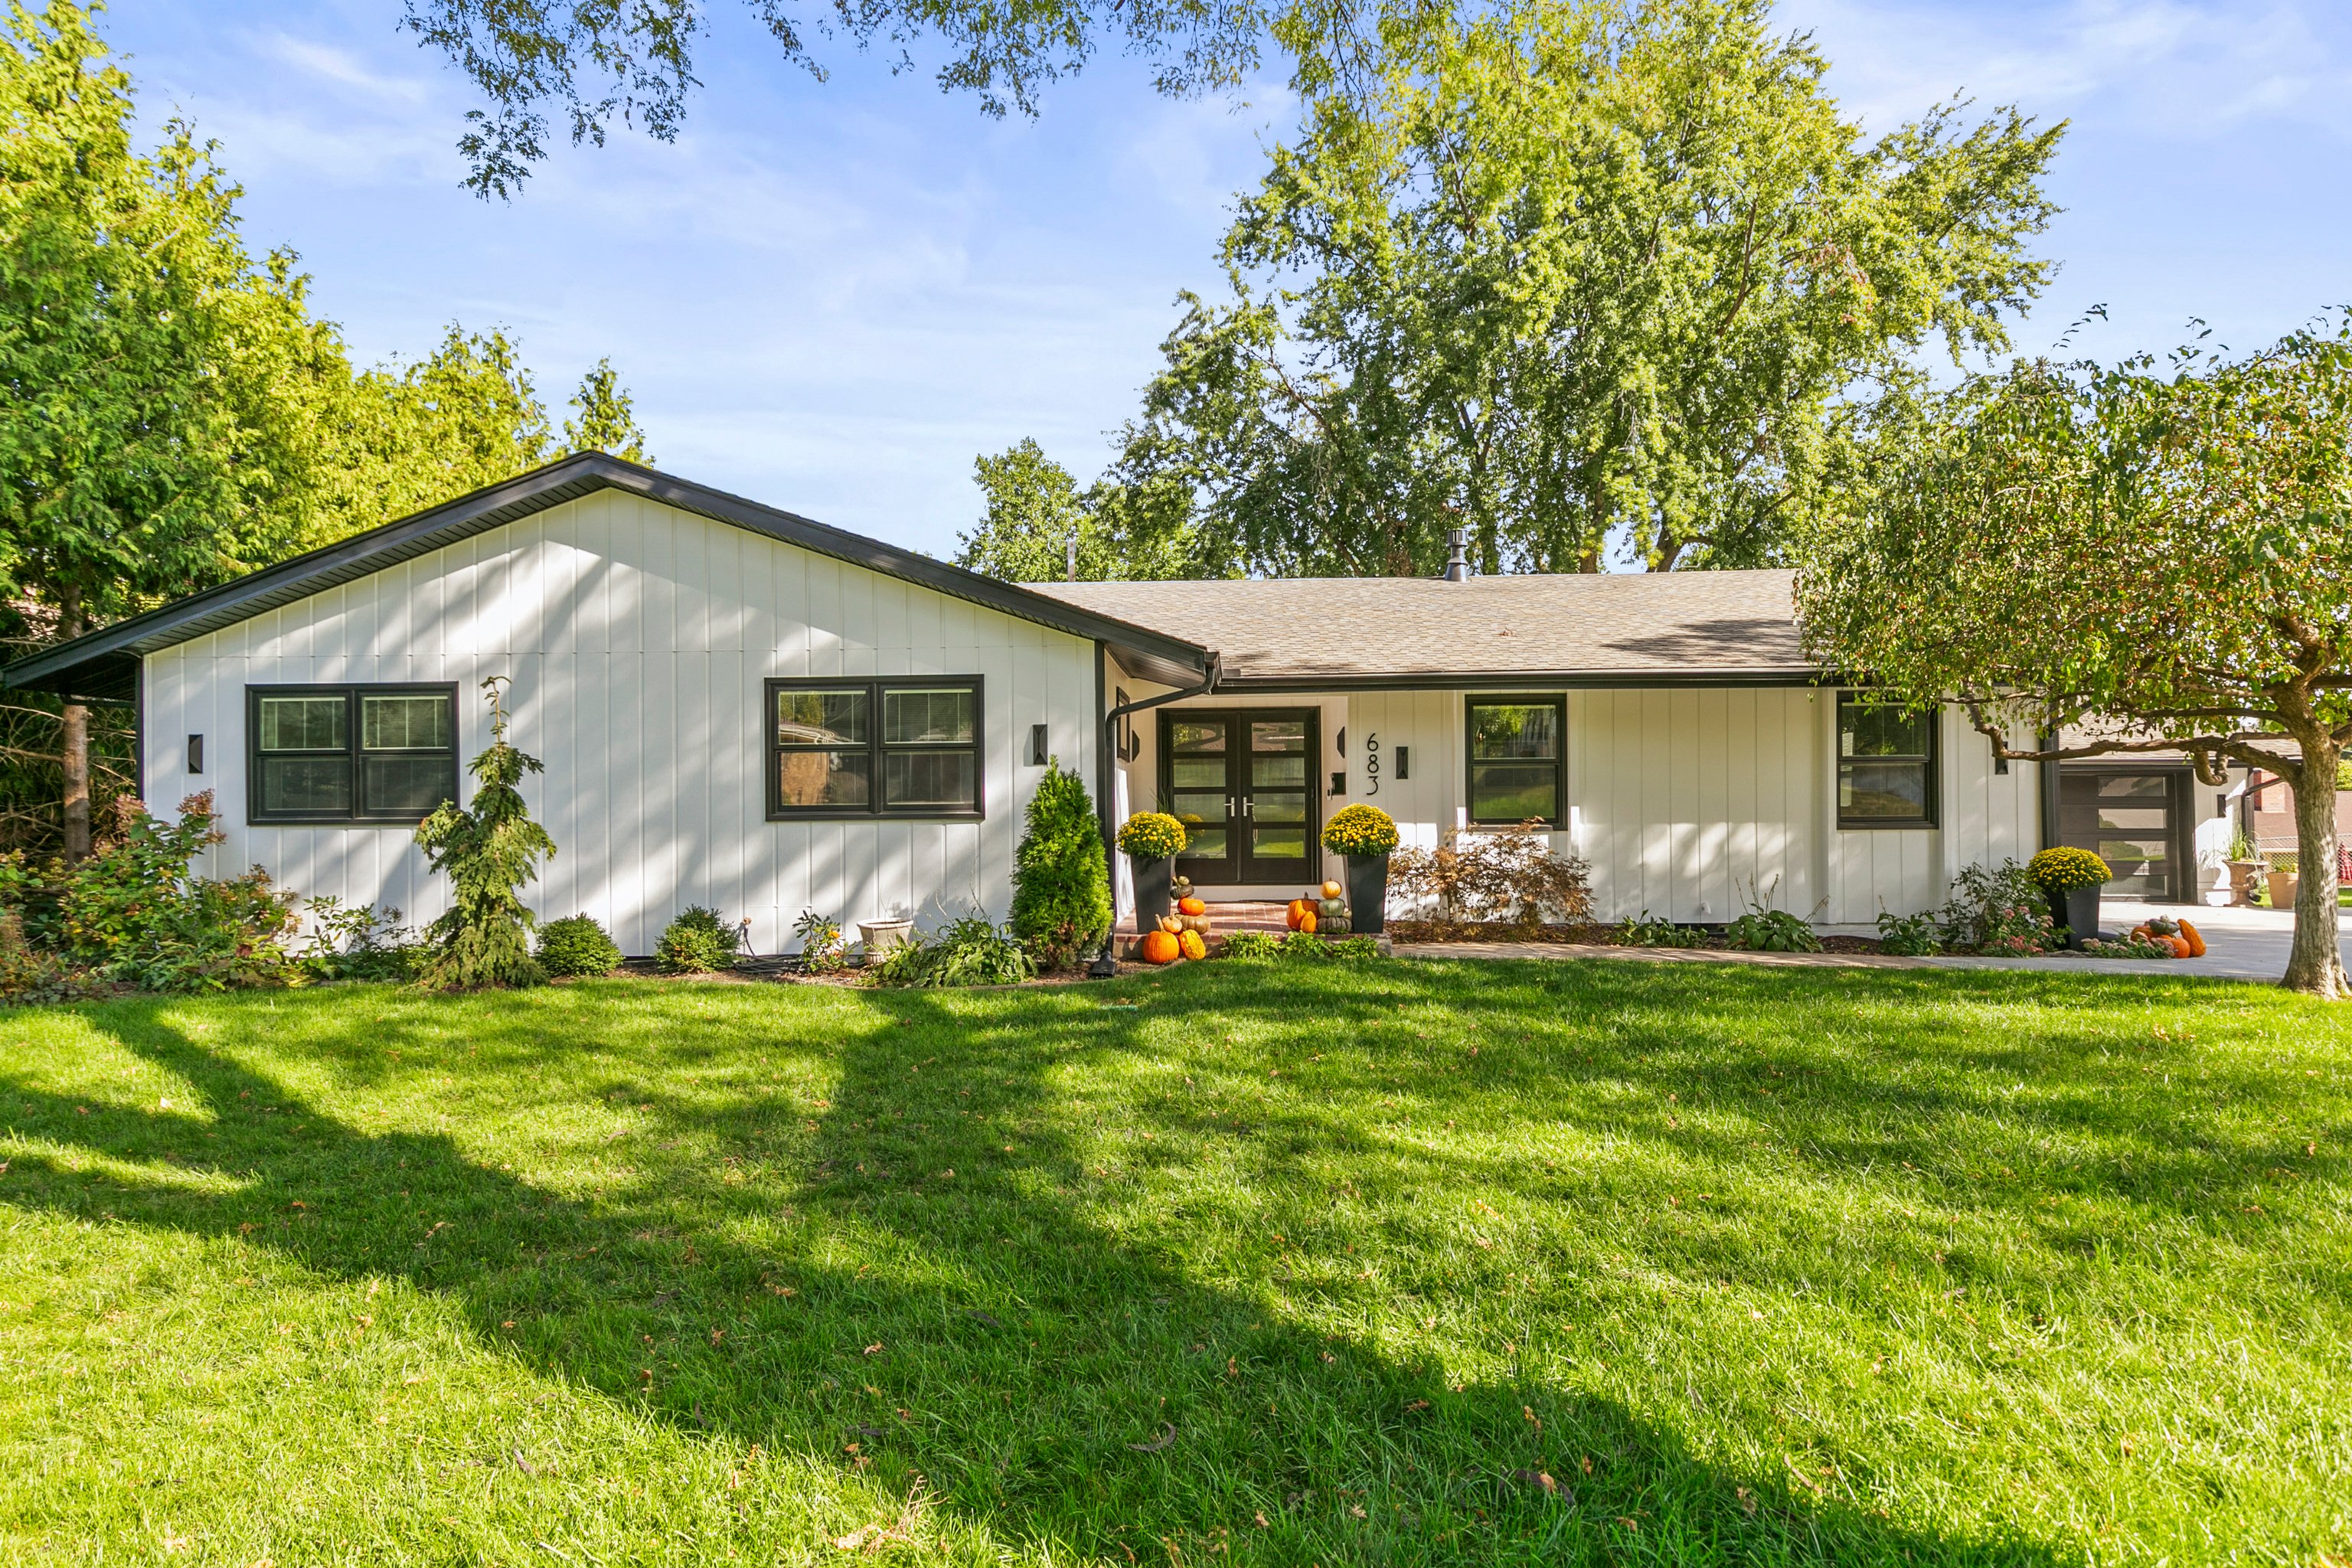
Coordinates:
[103,664]
[1538,680]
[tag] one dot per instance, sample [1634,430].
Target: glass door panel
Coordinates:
[1243,786]
[2132,821]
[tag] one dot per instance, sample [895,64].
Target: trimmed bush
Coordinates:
[576,945]
[1061,893]
[697,942]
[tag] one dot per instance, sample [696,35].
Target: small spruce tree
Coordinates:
[490,851]
[1061,898]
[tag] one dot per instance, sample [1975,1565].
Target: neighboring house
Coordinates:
[741,708]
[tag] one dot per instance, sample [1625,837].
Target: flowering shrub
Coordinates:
[135,913]
[1151,836]
[1996,910]
[1359,830]
[2063,866]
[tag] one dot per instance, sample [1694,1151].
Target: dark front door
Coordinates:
[1242,783]
[2136,823]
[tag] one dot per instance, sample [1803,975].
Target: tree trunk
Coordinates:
[2315,963]
[75,721]
[74,752]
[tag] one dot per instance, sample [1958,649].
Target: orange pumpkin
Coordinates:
[1330,889]
[1193,906]
[2139,933]
[2180,946]
[1296,913]
[2196,943]
[1161,947]
[1191,945]
[1306,921]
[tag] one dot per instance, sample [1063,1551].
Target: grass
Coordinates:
[1241,1264]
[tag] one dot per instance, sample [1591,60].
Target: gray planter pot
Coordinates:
[1367,894]
[1155,890]
[2076,909]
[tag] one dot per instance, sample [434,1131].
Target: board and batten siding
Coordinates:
[1689,803]
[637,638]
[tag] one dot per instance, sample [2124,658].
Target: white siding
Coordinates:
[637,638]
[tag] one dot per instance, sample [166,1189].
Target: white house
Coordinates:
[741,708]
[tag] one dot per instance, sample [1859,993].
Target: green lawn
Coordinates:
[1273,1264]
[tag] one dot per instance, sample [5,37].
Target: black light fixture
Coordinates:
[195,753]
[1338,781]
[1036,745]
[1402,757]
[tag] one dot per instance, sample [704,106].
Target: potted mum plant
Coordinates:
[2072,879]
[1365,835]
[1151,840]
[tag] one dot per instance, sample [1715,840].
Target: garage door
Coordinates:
[2133,820]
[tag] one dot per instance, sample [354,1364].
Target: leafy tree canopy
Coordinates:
[1036,512]
[1563,273]
[582,65]
[172,414]
[2136,558]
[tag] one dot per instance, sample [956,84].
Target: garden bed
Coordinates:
[1586,934]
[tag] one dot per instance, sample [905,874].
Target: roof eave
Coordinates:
[77,664]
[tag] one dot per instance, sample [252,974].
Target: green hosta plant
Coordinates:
[1771,931]
[577,947]
[1908,936]
[970,952]
[489,850]
[1657,931]
[697,942]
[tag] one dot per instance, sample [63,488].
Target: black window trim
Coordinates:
[351,693]
[876,748]
[1557,702]
[1933,818]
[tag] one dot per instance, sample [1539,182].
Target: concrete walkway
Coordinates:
[2240,945]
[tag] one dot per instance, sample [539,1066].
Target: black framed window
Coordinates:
[349,753]
[1517,749]
[1886,764]
[907,747]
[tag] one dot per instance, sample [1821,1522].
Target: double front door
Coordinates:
[1242,783]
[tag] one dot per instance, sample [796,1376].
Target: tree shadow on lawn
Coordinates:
[994,1331]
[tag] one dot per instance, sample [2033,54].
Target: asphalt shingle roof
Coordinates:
[1641,627]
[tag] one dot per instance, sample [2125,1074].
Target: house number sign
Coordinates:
[1373,763]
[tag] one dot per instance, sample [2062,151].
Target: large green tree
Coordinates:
[575,67]
[1567,273]
[171,411]
[2118,559]
[1036,514]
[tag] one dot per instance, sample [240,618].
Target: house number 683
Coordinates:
[1373,763]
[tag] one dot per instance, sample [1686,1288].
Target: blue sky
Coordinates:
[832,296]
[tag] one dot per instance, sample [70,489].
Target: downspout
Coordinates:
[1105,966]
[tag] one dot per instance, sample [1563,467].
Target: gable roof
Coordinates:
[104,664]
[1670,628]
